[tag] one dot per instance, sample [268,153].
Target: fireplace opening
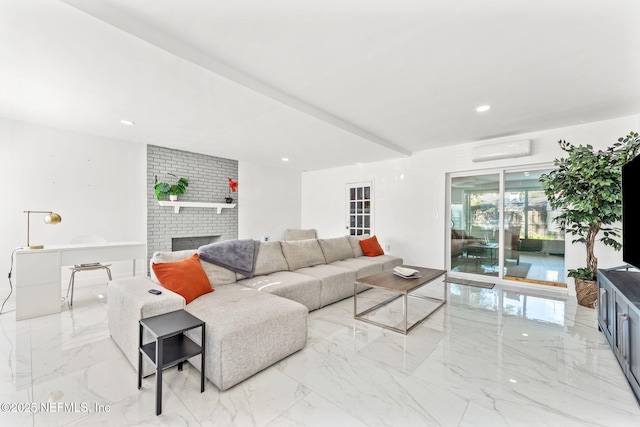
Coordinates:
[183,243]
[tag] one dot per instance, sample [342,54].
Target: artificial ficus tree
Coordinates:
[587,187]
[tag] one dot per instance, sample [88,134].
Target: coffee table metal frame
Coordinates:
[404,287]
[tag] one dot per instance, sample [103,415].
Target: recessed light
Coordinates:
[127,122]
[285,159]
[483,108]
[525,335]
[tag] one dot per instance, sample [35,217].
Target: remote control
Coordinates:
[155,291]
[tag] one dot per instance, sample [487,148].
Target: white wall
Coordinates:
[270,201]
[96,184]
[410,192]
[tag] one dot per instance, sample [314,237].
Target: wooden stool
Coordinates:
[86,267]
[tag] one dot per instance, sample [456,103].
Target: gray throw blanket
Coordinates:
[235,255]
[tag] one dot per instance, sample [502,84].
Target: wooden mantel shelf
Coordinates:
[177,205]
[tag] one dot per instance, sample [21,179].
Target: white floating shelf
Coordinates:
[177,205]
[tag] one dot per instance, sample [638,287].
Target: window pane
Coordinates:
[475,202]
[533,244]
[360,209]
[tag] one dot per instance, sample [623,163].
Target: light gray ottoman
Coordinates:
[128,301]
[247,331]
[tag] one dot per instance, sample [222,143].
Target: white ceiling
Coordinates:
[323,82]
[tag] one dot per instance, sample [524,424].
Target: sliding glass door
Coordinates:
[502,226]
[475,224]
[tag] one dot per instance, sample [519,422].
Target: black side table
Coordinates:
[171,347]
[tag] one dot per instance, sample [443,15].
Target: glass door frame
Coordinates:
[449,221]
[500,171]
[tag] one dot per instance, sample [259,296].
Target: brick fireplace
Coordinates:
[207,177]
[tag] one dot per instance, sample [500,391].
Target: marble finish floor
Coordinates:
[490,357]
[539,267]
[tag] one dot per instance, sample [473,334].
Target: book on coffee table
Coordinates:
[406,273]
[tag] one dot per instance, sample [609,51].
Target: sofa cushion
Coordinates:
[159,257]
[270,259]
[130,301]
[289,285]
[371,247]
[363,267]
[217,275]
[337,282]
[355,244]
[247,331]
[302,253]
[387,261]
[185,277]
[295,234]
[336,249]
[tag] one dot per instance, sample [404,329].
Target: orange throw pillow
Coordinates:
[185,277]
[371,247]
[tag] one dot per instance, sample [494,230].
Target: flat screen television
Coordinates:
[631,212]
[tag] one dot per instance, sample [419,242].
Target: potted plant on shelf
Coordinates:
[172,190]
[233,186]
[587,187]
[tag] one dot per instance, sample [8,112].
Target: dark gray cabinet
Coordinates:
[606,302]
[619,320]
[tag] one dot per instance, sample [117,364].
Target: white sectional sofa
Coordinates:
[251,322]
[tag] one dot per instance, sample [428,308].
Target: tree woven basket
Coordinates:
[586,292]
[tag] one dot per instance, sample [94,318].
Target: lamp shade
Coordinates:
[52,218]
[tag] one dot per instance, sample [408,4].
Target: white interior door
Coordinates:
[360,208]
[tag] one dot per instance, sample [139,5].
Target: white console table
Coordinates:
[38,272]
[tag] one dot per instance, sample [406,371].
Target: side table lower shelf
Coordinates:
[175,350]
[171,347]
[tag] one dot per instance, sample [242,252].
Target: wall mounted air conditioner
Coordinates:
[504,150]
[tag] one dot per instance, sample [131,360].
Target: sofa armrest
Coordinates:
[129,301]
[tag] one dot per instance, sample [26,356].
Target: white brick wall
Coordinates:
[207,177]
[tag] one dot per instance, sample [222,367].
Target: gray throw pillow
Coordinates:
[355,244]
[296,234]
[270,259]
[336,249]
[302,253]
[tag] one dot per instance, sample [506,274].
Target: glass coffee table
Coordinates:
[403,288]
